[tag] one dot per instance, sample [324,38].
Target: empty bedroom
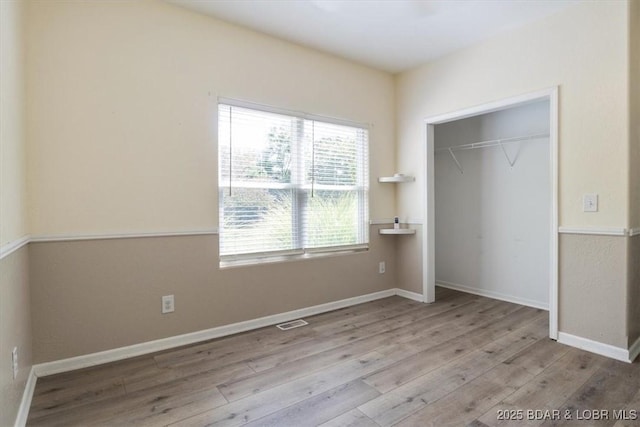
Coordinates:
[319,213]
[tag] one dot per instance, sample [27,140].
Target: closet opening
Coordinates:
[491,202]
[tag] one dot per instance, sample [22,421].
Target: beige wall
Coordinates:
[122,115]
[13,223]
[634,112]
[584,51]
[15,318]
[122,111]
[634,162]
[97,295]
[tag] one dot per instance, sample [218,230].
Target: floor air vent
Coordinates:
[290,325]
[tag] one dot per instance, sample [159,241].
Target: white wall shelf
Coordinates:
[397,178]
[397,231]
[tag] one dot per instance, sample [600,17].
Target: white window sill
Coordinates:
[288,258]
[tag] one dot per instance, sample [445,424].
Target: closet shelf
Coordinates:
[397,231]
[397,178]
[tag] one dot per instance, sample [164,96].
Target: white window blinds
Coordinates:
[290,184]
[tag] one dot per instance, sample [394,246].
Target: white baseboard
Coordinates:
[494,295]
[409,295]
[634,350]
[602,349]
[121,353]
[27,396]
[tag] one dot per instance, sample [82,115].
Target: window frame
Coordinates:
[299,190]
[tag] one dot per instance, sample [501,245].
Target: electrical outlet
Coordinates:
[168,304]
[382,267]
[14,361]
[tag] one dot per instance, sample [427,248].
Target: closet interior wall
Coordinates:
[492,220]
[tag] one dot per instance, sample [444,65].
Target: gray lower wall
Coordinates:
[593,288]
[95,295]
[633,303]
[409,260]
[15,331]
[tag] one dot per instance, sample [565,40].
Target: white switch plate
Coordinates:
[382,267]
[590,203]
[168,304]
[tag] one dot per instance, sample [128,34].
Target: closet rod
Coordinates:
[492,143]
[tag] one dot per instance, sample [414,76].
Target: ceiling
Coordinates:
[391,35]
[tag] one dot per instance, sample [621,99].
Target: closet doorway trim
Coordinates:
[428,236]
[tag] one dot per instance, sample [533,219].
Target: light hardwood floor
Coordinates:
[463,360]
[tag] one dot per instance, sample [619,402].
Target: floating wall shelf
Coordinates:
[397,178]
[397,231]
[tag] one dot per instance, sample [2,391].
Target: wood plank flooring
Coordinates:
[461,361]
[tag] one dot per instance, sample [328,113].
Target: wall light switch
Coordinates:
[590,203]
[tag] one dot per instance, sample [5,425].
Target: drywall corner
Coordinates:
[15,332]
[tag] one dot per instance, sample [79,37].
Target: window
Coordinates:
[290,184]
